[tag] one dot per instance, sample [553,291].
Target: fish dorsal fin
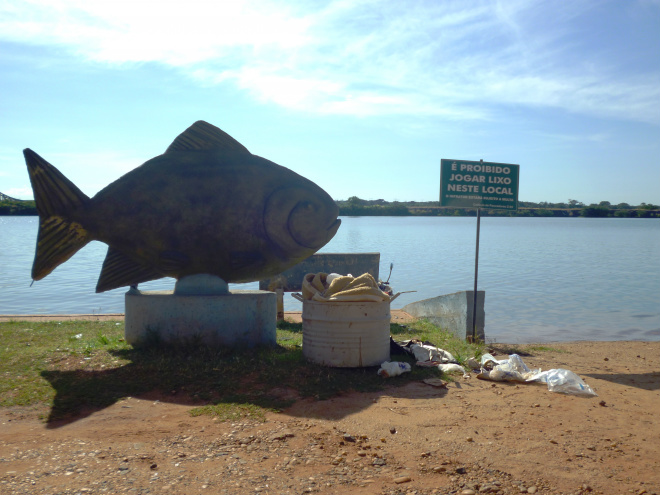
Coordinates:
[119,270]
[202,136]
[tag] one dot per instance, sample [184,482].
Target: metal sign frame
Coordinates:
[470,184]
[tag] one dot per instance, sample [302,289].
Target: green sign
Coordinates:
[467,184]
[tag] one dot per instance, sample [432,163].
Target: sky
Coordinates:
[363,97]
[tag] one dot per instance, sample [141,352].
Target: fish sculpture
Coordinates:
[205,206]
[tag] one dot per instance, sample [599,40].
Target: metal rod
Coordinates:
[476,276]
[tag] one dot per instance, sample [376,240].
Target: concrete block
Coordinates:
[201,285]
[242,318]
[453,312]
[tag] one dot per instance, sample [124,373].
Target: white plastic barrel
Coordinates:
[346,334]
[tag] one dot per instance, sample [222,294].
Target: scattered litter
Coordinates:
[487,361]
[316,287]
[515,370]
[435,382]
[506,370]
[385,286]
[427,364]
[565,382]
[78,336]
[473,364]
[451,368]
[332,276]
[424,352]
[394,368]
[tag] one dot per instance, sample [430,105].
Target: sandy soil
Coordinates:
[471,437]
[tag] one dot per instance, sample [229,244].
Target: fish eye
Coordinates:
[296,219]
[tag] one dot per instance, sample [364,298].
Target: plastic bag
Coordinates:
[473,364]
[394,368]
[513,369]
[488,361]
[332,276]
[424,352]
[450,368]
[564,381]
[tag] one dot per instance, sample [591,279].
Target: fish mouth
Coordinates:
[334,227]
[311,224]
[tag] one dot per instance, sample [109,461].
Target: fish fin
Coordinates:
[54,194]
[204,136]
[119,270]
[57,241]
[56,197]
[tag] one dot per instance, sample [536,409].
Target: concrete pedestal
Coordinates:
[452,312]
[234,318]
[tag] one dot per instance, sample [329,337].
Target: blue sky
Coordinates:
[362,97]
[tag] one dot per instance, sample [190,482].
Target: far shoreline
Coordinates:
[398,316]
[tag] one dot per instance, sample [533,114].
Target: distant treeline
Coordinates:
[355,206]
[17,207]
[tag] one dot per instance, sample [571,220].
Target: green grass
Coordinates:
[526,349]
[231,411]
[68,368]
[426,331]
[545,348]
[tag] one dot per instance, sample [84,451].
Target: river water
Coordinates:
[546,279]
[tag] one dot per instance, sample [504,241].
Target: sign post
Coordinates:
[470,184]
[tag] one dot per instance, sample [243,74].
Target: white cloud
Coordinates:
[459,60]
[172,32]
[94,170]
[578,138]
[19,193]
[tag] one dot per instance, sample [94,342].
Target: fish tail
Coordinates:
[56,198]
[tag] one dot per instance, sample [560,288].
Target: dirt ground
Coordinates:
[471,437]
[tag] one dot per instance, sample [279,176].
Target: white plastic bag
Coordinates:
[513,369]
[332,276]
[394,368]
[488,361]
[564,381]
[431,353]
[451,368]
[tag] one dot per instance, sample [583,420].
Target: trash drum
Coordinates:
[346,334]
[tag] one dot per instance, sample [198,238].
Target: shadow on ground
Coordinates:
[272,378]
[646,381]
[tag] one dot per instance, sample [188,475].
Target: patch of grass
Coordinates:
[545,348]
[525,349]
[508,349]
[426,331]
[72,367]
[29,349]
[231,411]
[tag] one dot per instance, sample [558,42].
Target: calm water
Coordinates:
[545,279]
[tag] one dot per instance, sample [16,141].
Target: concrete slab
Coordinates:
[342,263]
[453,312]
